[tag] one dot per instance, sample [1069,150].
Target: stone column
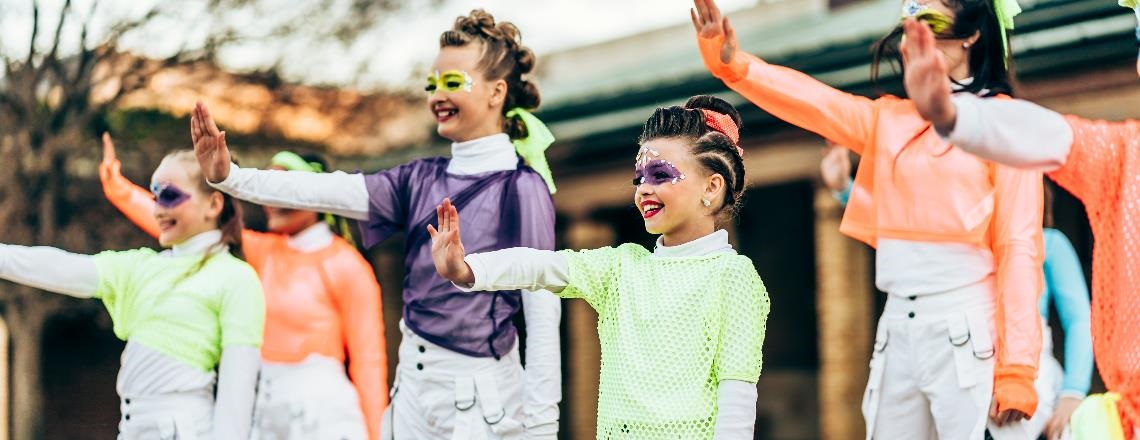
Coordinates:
[844,307]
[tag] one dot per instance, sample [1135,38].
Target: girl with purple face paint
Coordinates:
[192,315]
[682,326]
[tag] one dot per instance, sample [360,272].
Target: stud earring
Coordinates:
[965,45]
[706,202]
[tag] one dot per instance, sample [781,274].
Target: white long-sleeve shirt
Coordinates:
[1012,132]
[525,268]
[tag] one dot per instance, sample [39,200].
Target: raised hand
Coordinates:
[711,24]
[110,166]
[447,249]
[835,168]
[927,79]
[209,145]
[108,149]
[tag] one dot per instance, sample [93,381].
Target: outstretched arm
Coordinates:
[785,93]
[506,269]
[50,269]
[338,193]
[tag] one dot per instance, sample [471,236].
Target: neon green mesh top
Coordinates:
[671,328]
[190,318]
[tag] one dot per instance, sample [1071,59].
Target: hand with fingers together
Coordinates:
[111,165]
[835,167]
[447,248]
[926,77]
[209,145]
[710,24]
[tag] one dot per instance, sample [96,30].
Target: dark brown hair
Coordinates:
[991,70]
[713,149]
[1047,206]
[504,57]
[229,220]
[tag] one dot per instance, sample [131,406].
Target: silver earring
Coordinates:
[706,202]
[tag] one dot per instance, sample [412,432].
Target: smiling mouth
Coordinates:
[650,209]
[444,114]
[167,224]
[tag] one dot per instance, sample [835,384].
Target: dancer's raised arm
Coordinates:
[337,193]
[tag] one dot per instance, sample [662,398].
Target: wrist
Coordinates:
[947,118]
[466,276]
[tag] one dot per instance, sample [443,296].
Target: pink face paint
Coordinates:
[657,172]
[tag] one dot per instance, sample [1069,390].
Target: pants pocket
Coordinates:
[178,427]
[873,393]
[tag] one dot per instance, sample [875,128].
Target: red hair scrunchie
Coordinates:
[725,125]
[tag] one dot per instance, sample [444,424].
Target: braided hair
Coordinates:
[714,149]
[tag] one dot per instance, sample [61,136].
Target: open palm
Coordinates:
[926,78]
[209,144]
[446,247]
[710,24]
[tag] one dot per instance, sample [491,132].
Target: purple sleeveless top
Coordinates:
[498,210]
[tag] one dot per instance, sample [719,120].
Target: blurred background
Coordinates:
[342,77]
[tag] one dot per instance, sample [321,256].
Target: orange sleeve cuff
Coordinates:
[710,54]
[1013,388]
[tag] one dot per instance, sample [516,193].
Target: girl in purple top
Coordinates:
[459,369]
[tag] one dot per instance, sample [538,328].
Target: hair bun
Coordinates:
[706,102]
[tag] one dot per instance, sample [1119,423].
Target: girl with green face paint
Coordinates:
[455,347]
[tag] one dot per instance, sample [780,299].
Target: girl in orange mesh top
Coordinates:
[958,238]
[322,305]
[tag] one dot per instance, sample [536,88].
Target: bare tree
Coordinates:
[73,73]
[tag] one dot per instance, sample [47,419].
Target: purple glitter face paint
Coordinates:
[657,172]
[167,195]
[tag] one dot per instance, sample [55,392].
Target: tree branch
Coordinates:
[35,32]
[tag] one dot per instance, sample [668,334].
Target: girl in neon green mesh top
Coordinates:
[681,327]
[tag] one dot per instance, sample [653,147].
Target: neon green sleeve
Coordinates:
[744,308]
[242,313]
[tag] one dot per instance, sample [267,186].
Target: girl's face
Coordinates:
[288,221]
[669,187]
[940,18]
[466,105]
[182,209]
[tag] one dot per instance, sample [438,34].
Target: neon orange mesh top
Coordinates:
[325,302]
[1103,170]
[912,185]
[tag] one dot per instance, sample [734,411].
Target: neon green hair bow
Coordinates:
[293,162]
[1006,10]
[533,147]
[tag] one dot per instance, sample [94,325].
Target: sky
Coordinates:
[389,55]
